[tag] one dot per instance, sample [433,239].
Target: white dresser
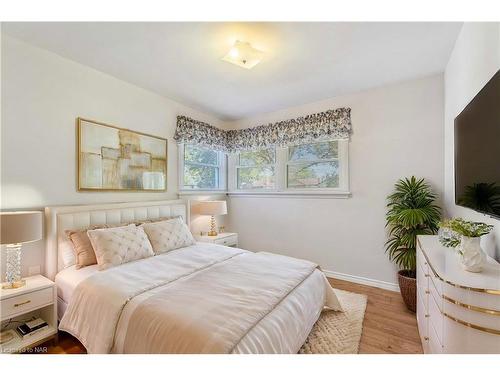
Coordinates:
[457,311]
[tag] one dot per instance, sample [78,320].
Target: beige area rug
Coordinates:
[338,332]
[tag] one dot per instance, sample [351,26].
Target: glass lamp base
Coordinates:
[212,232]
[13,270]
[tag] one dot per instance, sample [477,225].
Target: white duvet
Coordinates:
[200,299]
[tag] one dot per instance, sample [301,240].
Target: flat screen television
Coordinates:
[477,151]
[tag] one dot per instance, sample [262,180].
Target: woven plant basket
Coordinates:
[408,286]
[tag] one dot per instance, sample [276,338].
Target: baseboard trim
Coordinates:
[362,280]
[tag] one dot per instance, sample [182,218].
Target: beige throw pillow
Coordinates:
[168,235]
[115,246]
[84,252]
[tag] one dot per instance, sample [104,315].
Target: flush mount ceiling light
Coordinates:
[244,55]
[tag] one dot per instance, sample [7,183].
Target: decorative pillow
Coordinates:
[70,248]
[115,246]
[168,235]
[84,252]
[154,220]
[77,250]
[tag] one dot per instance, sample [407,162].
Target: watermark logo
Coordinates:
[35,350]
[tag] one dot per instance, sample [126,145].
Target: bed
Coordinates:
[203,298]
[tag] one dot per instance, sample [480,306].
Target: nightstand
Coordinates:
[226,239]
[37,299]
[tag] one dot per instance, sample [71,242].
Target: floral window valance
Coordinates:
[200,133]
[331,124]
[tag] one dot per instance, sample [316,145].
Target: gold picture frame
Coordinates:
[111,158]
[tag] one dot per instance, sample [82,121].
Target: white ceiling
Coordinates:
[303,62]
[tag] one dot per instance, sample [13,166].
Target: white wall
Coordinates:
[474,60]
[42,95]
[397,132]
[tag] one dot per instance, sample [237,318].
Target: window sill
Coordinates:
[272,194]
[201,192]
[292,194]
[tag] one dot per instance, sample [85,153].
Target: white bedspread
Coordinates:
[68,279]
[188,301]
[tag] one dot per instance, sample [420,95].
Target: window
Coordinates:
[316,168]
[256,169]
[313,165]
[202,168]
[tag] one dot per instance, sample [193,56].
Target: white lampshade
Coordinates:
[212,208]
[20,227]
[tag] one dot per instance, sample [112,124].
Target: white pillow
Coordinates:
[66,252]
[168,235]
[115,246]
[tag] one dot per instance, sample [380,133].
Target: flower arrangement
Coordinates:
[448,237]
[451,231]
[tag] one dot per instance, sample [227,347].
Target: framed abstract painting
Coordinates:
[115,159]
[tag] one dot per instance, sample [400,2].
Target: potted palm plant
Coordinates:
[411,211]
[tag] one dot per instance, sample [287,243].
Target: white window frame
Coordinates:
[281,183]
[342,158]
[222,165]
[234,165]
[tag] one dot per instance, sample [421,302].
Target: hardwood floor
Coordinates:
[388,326]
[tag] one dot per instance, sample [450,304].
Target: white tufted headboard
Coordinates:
[61,218]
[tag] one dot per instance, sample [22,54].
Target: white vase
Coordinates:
[472,256]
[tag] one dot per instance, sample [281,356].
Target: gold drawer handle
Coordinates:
[22,303]
[427,315]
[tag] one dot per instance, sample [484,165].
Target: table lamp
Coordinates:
[17,228]
[212,208]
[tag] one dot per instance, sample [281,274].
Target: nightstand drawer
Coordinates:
[26,302]
[228,241]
